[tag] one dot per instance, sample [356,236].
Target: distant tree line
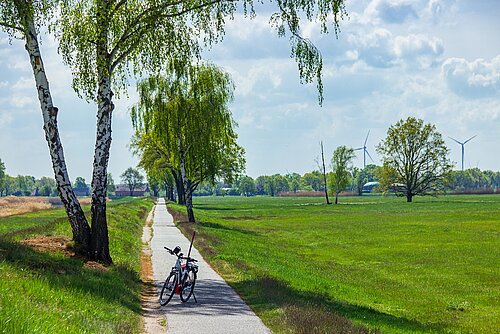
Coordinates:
[468,181]
[26,185]
[474,180]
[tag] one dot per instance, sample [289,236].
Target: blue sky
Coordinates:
[438,60]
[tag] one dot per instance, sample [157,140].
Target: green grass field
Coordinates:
[47,292]
[428,266]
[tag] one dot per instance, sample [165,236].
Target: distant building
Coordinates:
[82,191]
[124,190]
[369,187]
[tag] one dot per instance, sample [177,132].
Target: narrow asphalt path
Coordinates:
[219,309]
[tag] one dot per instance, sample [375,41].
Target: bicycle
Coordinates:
[181,280]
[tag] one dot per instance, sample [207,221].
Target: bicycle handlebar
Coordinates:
[180,255]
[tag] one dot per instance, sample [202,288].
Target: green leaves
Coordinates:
[185,116]
[15,15]
[341,166]
[414,157]
[139,37]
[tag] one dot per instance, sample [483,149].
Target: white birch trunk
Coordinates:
[76,216]
[100,240]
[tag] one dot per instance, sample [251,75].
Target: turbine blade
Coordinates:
[359,148]
[369,155]
[366,139]
[455,140]
[470,139]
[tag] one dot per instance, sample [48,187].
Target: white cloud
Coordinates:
[391,11]
[22,102]
[23,84]
[419,49]
[381,49]
[5,119]
[375,48]
[475,79]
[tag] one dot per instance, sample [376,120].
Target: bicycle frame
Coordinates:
[181,271]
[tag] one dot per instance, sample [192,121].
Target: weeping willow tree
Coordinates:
[184,116]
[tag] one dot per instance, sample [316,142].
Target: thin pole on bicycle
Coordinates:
[191,245]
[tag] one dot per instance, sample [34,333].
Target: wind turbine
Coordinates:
[365,151]
[463,144]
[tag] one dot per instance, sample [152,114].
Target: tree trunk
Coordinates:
[185,182]
[99,240]
[409,197]
[171,194]
[336,198]
[187,191]
[189,205]
[179,185]
[79,225]
[324,175]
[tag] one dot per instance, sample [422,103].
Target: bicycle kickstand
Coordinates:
[194,298]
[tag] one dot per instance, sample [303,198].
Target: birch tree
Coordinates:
[186,113]
[22,19]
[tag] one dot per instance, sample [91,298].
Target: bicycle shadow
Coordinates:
[214,297]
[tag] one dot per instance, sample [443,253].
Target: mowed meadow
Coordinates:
[369,263]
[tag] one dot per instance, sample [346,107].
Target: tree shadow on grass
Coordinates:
[116,284]
[227,228]
[311,313]
[208,207]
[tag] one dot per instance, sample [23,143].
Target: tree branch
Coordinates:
[203,5]
[11,26]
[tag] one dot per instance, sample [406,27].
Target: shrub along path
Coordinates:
[219,309]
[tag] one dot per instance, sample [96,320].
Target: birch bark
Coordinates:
[76,216]
[99,244]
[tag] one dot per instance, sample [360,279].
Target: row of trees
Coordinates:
[25,185]
[470,180]
[415,162]
[473,180]
[45,186]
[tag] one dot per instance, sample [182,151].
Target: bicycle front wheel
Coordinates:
[188,286]
[168,289]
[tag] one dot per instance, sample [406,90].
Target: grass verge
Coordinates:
[425,267]
[47,291]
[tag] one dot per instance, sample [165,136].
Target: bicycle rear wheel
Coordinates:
[188,286]
[168,289]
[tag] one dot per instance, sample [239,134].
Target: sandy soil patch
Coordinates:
[59,244]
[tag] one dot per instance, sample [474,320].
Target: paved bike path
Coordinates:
[219,309]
